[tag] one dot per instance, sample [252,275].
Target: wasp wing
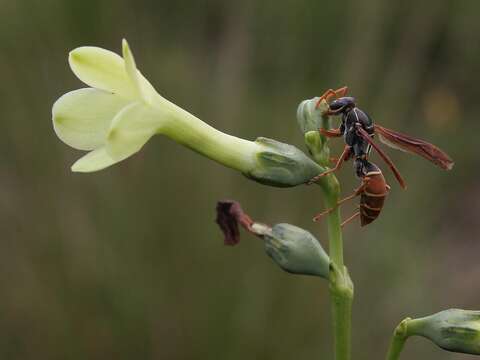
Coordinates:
[412,145]
[366,136]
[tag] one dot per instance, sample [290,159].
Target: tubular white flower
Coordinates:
[121,111]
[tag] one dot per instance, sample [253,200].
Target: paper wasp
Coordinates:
[373,191]
[358,130]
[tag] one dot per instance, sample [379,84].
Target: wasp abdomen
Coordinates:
[373,196]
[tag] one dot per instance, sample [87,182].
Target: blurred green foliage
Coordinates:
[128,263]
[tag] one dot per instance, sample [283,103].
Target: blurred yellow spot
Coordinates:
[441,108]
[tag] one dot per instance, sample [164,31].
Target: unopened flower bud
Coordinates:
[297,251]
[453,330]
[309,116]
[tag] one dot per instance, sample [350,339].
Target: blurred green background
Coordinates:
[127,263]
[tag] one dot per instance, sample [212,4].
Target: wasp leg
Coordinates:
[350,219]
[330,133]
[328,211]
[323,213]
[358,191]
[341,92]
[327,95]
[343,157]
[364,185]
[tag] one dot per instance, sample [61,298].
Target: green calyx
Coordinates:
[282,165]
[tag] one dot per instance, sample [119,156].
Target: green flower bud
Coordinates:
[309,117]
[453,330]
[296,251]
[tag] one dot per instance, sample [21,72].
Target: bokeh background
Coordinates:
[127,263]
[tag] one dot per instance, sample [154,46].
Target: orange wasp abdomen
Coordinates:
[373,196]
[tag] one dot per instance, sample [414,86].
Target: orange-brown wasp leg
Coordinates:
[343,157]
[328,211]
[384,156]
[350,219]
[341,92]
[327,95]
[356,192]
[330,133]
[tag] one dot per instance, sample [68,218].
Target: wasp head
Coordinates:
[341,105]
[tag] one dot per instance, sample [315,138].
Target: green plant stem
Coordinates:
[341,295]
[334,222]
[341,286]
[331,193]
[396,348]
[399,338]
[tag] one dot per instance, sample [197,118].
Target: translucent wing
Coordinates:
[412,145]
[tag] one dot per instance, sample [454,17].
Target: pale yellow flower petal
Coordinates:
[102,69]
[131,129]
[143,87]
[95,160]
[82,118]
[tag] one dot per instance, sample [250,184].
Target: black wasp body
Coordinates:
[352,117]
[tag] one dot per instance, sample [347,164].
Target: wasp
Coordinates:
[358,131]
[373,191]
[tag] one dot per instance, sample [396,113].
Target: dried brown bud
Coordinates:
[229,215]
